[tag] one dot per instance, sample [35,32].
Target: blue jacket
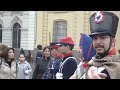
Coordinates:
[39,55]
[69,67]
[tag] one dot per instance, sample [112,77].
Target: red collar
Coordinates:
[68,54]
[112,52]
[59,56]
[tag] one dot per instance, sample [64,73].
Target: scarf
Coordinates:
[111,63]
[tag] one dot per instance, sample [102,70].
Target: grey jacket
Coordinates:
[23,70]
[7,72]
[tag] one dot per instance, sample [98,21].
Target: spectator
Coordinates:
[39,53]
[8,69]
[24,68]
[22,51]
[30,56]
[2,47]
[42,65]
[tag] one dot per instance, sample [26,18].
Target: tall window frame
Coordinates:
[59,30]
[16,35]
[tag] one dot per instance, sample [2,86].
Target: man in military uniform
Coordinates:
[106,64]
[69,63]
[56,57]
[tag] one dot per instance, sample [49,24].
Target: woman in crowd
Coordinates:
[2,47]
[8,67]
[42,65]
[24,68]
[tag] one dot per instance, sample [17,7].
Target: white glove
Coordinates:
[59,75]
[26,72]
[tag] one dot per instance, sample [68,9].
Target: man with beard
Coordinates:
[106,63]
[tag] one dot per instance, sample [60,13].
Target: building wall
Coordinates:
[77,22]
[31,30]
[27,20]
[45,25]
[39,26]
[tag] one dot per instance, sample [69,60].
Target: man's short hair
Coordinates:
[119,51]
[39,47]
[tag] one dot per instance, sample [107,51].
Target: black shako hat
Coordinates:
[103,23]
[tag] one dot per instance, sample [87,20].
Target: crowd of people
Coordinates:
[99,59]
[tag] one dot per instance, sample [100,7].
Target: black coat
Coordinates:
[40,68]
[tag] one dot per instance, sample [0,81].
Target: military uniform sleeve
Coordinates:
[69,68]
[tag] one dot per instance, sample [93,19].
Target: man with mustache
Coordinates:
[106,63]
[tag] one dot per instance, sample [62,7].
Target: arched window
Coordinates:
[0,33]
[16,35]
[59,30]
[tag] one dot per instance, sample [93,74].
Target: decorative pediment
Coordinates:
[1,13]
[16,19]
[16,12]
[1,22]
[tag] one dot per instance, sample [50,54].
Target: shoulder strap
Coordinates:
[16,61]
[16,64]
[61,66]
[0,63]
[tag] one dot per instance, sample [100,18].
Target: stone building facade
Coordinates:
[18,28]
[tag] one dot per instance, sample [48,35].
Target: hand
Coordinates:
[93,74]
[26,72]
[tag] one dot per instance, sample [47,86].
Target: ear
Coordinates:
[67,47]
[113,42]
